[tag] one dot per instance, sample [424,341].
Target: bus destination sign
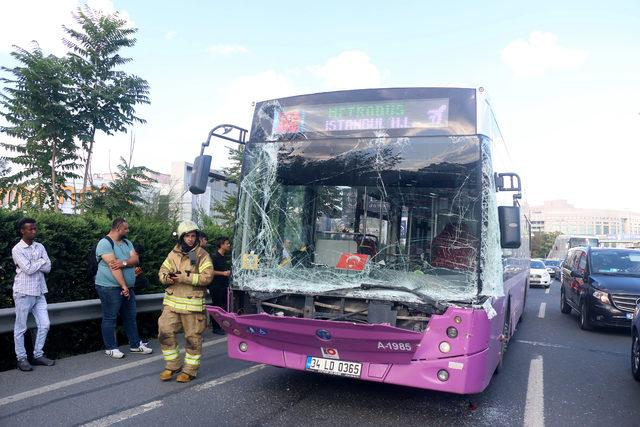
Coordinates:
[398,114]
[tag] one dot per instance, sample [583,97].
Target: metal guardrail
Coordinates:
[77,311]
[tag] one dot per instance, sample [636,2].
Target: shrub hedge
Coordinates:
[69,240]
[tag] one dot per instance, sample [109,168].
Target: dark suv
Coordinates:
[602,285]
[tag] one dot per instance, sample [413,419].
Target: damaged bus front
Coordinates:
[368,243]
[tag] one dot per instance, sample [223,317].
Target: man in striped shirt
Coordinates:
[29,287]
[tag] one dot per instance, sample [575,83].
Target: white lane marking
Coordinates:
[543,344]
[124,415]
[534,407]
[139,410]
[543,307]
[227,378]
[547,290]
[94,375]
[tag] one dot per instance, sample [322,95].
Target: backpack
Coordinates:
[92,260]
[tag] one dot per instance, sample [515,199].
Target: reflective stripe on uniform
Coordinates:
[204,266]
[192,359]
[167,264]
[171,354]
[188,304]
[194,278]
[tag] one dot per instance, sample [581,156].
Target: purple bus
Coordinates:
[378,236]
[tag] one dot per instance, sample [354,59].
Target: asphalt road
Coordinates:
[554,374]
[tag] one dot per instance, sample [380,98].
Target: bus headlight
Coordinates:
[602,296]
[443,375]
[444,347]
[243,346]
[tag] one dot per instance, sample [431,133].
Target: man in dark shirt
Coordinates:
[218,289]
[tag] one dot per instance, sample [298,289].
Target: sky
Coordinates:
[563,77]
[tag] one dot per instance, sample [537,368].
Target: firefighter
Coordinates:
[187,271]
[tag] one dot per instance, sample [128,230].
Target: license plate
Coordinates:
[333,367]
[629,316]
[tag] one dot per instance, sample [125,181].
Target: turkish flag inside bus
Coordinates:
[349,261]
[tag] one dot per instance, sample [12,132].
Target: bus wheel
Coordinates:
[505,336]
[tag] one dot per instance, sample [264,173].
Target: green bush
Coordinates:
[69,240]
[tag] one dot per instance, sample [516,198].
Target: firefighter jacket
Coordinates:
[193,272]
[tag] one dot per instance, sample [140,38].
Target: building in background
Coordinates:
[612,227]
[192,205]
[169,190]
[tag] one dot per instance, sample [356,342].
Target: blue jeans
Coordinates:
[26,304]
[112,304]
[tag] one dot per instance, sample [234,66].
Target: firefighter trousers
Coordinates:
[193,324]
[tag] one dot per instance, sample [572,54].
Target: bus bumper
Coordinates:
[466,374]
[414,361]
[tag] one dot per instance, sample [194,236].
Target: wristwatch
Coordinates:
[124,263]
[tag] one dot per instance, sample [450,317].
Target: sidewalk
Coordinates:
[18,385]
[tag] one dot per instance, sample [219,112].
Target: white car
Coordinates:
[538,274]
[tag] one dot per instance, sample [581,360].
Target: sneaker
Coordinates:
[24,365]
[44,361]
[142,349]
[115,353]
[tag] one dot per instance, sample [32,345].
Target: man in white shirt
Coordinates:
[29,287]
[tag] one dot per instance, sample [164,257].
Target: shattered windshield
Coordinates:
[390,217]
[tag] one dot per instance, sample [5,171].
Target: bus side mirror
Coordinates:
[200,174]
[509,218]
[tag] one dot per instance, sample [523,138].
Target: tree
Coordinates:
[226,209]
[36,105]
[124,195]
[106,96]
[541,243]
[162,207]
[209,225]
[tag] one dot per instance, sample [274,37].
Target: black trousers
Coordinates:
[219,299]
